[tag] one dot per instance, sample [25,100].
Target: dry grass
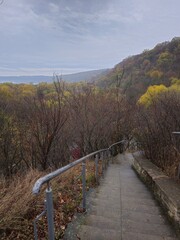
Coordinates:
[17,197]
[19,206]
[16,205]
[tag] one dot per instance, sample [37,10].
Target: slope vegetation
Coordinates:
[137,73]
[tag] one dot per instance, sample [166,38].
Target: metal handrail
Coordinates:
[50,176]
[49,198]
[178,171]
[117,143]
[38,184]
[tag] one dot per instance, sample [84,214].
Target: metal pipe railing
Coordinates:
[176,132]
[47,178]
[117,143]
[50,176]
[178,170]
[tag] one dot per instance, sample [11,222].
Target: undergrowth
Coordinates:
[19,206]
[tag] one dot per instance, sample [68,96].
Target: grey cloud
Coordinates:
[71,33]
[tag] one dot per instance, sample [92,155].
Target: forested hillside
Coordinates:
[156,66]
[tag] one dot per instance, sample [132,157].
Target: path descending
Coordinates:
[121,208]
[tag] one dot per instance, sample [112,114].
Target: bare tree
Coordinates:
[155,126]
[46,117]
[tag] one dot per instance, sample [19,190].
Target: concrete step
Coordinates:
[102,222]
[94,233]
[140,207]
[140,236]
[112,213]
[103,202]
[148,228]
[143,217]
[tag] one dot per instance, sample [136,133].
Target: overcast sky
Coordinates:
[42,37]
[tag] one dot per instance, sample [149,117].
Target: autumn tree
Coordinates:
[156,120]
[91,117]
[46,116]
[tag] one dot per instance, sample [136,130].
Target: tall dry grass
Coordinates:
[19,207]
[17,204]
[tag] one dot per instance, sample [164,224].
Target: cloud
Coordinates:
[50,34]
[40,71]
[63,18]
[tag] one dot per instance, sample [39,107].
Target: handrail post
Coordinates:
[36,220]
[109,156]
[50,213]
[178,170]
[103,163]
[84,185]
[96,168]
[106,159]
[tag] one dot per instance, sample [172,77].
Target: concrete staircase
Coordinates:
[121,208]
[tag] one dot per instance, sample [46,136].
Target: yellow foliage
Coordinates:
[26,89]
[175,87]
[51,103]
[5,90]
[152,93]
[67,94]
[175,81]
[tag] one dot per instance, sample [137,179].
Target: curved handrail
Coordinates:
[176,132]
[117,143]
[49,198]
[45,179]
[38,184]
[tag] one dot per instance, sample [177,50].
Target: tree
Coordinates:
[9,145]
[165,60]
[155,125]
[46,117]
[151,94]
[91,118]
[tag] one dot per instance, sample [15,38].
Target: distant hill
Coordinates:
[136,73]
[85,76]
[76,77]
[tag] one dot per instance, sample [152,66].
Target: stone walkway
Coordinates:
[121,208]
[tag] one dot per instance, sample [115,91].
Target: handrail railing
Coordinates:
[117,143]
[178,170]
[50,176]
[47,178]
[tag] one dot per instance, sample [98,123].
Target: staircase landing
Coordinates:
[121,208]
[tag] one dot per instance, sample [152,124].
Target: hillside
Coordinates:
[76,77]
[85,76]
[151,67]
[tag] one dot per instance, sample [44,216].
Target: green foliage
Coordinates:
[164,60]
[175,87]
[155,74]
[175,84]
